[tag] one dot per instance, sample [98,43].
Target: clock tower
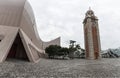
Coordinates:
[91,36]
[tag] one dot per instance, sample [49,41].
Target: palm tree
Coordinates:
[72,43]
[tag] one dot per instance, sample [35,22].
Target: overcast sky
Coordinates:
[64,18]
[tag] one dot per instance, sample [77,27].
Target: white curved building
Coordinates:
[18,34]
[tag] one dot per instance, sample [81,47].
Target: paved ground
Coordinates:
[46,68]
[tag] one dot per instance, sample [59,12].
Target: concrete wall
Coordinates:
[53,42]
[11,11]
[19,13]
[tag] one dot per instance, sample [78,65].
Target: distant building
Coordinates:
[18,34]
[110,53]
[91,36]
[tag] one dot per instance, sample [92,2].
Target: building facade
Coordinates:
[91,36]
[18,33]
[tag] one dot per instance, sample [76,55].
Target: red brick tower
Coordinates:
[91,36]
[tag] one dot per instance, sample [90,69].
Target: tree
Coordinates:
[72,49]
[55,50]
[52,50]
[77,47]
[64,51]
[72,43]
[82,55]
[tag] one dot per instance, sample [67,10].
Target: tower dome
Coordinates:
[89,13]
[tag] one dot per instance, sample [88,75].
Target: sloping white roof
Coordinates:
[18,16]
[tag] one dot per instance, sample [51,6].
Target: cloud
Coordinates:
[64,18]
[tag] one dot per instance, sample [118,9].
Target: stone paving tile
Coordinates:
[47,68]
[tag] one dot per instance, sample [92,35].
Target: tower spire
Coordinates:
[89,8]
